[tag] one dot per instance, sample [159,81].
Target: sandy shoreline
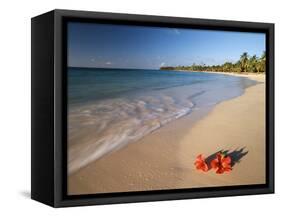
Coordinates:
[164,159]
[247,74]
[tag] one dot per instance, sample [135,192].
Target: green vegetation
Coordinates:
[245,64]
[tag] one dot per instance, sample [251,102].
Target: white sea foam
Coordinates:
[97,129]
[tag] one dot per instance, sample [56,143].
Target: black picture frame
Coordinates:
[49,108]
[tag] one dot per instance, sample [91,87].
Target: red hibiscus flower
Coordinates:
[222,163]
[200,163]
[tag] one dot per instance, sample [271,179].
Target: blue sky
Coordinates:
[123,46]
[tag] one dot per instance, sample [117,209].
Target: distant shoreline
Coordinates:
[177,70]
[217,72]
[249,75]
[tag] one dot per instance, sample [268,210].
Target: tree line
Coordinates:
[245,64]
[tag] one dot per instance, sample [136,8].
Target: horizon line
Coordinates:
[89,67]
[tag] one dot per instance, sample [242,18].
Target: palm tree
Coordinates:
[244,62]
[253,63]
[263,61]
[237,66]
[227,66]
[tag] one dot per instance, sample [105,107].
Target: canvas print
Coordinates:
[157,108]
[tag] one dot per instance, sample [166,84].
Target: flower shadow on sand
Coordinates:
[235,155]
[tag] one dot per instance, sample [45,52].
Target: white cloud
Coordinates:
[108,63]
[93,60]
[162,64]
